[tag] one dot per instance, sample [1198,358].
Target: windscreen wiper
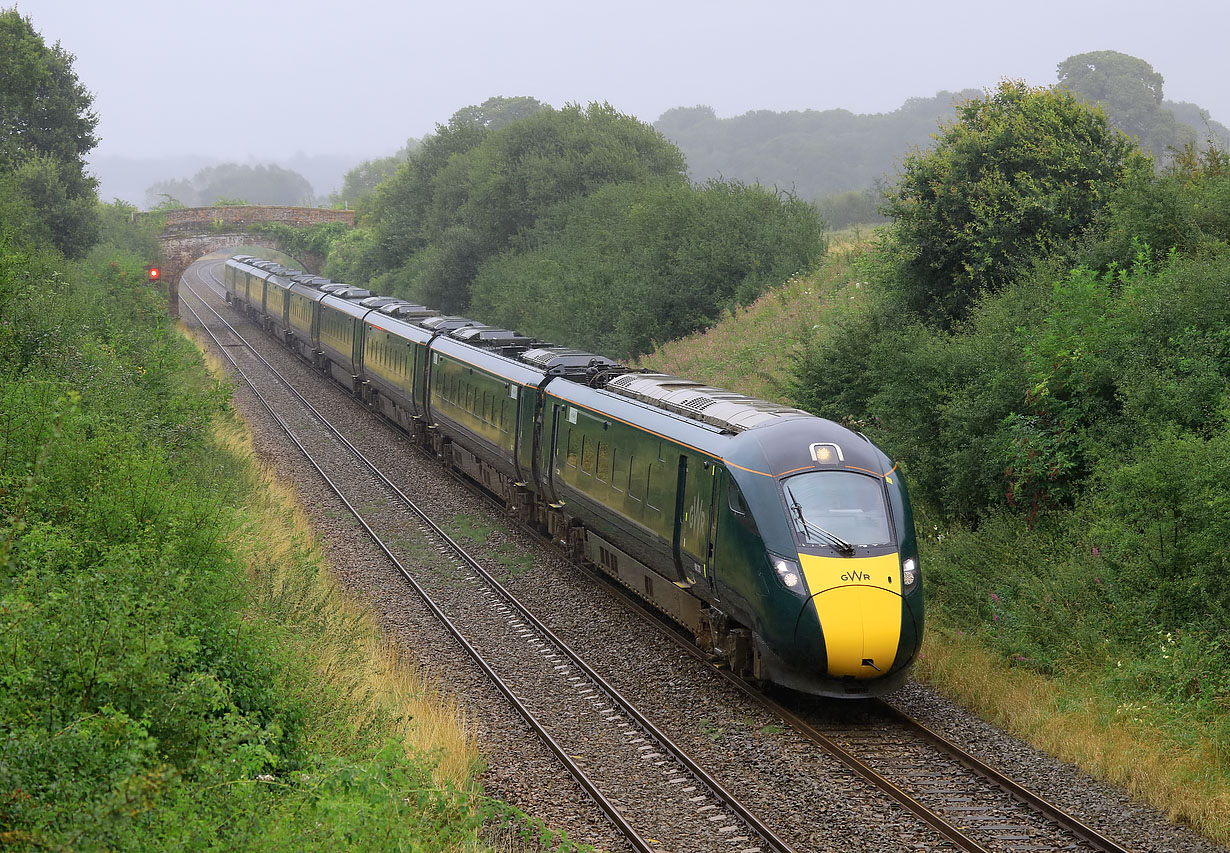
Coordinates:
[832,539]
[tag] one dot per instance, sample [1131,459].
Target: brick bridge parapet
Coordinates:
[194,218]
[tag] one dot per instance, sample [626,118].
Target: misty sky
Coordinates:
[241,79]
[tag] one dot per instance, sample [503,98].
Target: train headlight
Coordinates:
[789,574]
[909,573]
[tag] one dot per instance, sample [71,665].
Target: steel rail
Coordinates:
[637,841]
[676,752]
[1043,807]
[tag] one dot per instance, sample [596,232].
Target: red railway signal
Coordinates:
[154,273]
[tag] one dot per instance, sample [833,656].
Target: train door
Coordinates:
[696,520]
[547,438]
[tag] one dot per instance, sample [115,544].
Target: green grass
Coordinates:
[752,349]
[180,670]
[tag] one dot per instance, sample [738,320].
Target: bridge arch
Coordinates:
[193,232]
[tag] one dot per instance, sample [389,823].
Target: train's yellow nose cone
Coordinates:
[858,601]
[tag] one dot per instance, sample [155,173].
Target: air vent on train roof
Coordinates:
[349,291]
[378,301]
[699,403]
[725,410]
[407,311]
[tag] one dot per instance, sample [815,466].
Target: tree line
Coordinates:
[1043,343]
[575,224]
[842,160]
[159,688]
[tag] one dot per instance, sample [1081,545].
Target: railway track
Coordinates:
[969,805]
[650,766]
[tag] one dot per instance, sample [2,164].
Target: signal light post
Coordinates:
[153,274]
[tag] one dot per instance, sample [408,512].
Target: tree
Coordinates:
[495,113]
[362,180]
[1019,173]
[1131,93]
[399,207]
[811,153]
[46,129]
[261,184]
[469,191]
[635,263]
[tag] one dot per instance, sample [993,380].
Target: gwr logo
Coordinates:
[849,577]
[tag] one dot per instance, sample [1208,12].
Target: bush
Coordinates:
[1020,174]
[632,263]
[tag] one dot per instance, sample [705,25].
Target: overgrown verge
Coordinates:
[1066,438]
[1048,624]
[177,671]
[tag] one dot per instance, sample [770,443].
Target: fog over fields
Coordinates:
[193,84]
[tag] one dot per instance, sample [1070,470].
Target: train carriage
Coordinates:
[232,271]
[340,335]
[255,283]
[277,302]
[395,368]
[736,493]
[483,400]
[303,319]
[244,284]
[641,482]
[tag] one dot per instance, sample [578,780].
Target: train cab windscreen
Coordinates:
[838,509]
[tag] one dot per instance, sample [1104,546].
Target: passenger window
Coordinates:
[617,479]
[588,455]
[604,462]
[574,447]
[649,489]
[634,482]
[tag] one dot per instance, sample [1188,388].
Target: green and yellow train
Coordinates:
[784,542]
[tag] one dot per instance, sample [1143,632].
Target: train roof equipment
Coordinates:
[574,364]
[486,336]
[726,410]
[407,310]
[446,323]
[349,291]
[378,301]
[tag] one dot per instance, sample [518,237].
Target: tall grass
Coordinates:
[1072,716]
[359,681]
[752,349]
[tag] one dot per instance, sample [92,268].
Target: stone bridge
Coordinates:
[193,232]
